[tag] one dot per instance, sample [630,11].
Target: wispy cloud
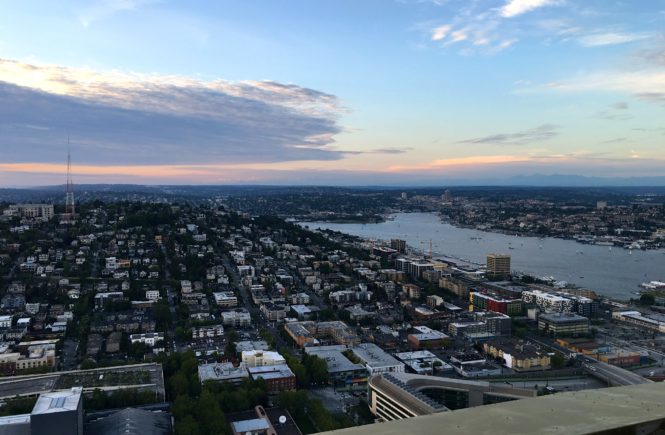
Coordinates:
[615,112]
[612,38]
[440,32]
[513,8]
[537,134]
[131,118]
[376,151]
[616,140]
[648,85]
[105,8]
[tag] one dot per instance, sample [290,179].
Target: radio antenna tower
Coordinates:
[69,192]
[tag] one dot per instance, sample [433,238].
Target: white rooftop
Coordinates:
[58,401]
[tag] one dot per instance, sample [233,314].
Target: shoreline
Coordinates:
[628,294]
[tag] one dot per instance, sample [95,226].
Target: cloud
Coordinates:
[537,134]
[440,32]
[615,112]
[106,8]
[602,39]
[459,35]
[648,85]
[616,140]
[513,8]
[377,151]
[120,118]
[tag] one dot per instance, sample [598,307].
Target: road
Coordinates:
[613,375]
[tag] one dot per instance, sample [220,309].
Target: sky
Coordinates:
[335,92]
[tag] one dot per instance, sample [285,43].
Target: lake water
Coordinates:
[614,272]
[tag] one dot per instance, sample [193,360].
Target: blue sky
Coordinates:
[364,91]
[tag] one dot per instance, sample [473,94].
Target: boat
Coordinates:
[653,285]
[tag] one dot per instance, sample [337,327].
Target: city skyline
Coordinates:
[374,92]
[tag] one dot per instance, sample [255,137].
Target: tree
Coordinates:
[317,369]
[647,299]
[558,360]
[187,426]
[211,417]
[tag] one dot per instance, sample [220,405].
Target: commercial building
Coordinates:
[427,338]
[259,358]
[390,398]
[33,211]
[638,319]
[583,412]
[278,377]
[54,413]
[223,372]
[248,345]
[376,360]
[260,421]
[493,302]
[498,266]
[397,396]
[518,355]
[423,362]
[548,302]
[344,374]
[311,333]
[471,365]
[563,324]
[484,325]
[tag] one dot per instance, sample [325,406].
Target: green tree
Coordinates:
[558,360]
[210,415]
[647,299]
[187,426]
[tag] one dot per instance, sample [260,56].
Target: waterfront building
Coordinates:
[498,266]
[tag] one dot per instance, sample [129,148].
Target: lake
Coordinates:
[614,272]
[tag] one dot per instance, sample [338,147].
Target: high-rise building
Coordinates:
[498,265]
[398,245]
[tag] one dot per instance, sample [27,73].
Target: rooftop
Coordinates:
[334,358]
[58,401]
[563,317]
[222,372]
[374,356]
[633,409]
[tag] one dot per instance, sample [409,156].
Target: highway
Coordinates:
[615,376]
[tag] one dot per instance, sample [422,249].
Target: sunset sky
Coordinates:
[330,91]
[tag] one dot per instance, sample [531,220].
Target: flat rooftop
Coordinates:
[58,401]
[334,358]
[374,356]
[632,409]
[222,372]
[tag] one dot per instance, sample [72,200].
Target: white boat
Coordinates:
[653,285]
